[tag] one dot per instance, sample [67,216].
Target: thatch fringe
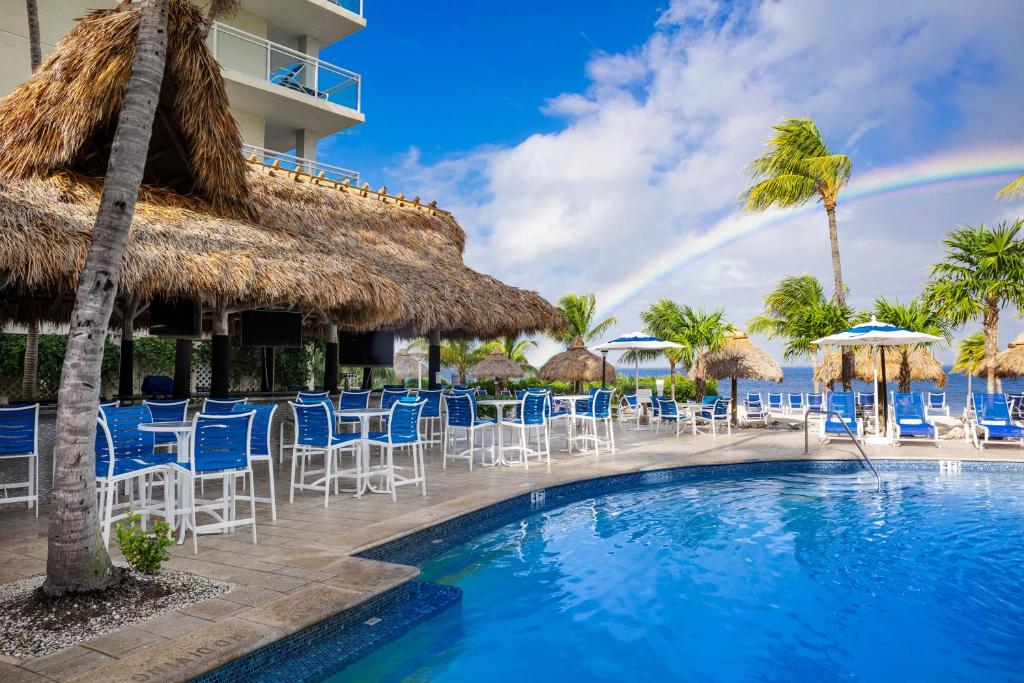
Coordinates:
[497,365]
[924,366]
[1009,363]
[576,364]
[738,358]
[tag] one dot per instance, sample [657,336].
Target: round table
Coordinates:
[571,399]
[499,407]
[363,465]
[182,431]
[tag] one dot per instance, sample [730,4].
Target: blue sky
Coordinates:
[578,141]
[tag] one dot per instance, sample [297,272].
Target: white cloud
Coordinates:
[652,153]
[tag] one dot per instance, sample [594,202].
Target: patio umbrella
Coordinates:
[498,366]
[408,365]
[923,365]
[1008,364]
[736,358]
[576,364]
[877,335]
[637,341]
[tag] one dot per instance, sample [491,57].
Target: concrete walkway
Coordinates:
[302,569]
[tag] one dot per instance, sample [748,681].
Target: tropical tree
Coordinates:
[1012,191]
[970,356]
[580,311]
[514,349]
[461,355]
[797,167]
[916,317]
[30,362]
[982,272]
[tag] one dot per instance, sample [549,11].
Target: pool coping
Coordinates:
[416,545]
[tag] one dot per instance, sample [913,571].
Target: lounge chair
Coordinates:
[910,418]
[775,403]
[668,412]
[714,413]
[993,420]
[1016,406]
[755,411]
[815,402]
[841,409]
[937,403]
[795,404]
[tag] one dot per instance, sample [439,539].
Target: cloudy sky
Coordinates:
[600,146]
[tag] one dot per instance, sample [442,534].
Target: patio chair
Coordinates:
[910,418]
[259,446]
[993,420]
[533,415]
[19,440]
[795,404]
[775,404]
[460,417]
[755,410]
[628,407]
[167,411]
[352,400]
[125,455]
[1016,406]
[310,396]
[668,412]
[599,412]
[431,415]
[714,412]
[841,409]
[937,403]
[556,411]
[403,434]
[221,406]
[286,434]
[816,402]
[220,449]
[315,435]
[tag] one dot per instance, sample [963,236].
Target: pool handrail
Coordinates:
[827,413]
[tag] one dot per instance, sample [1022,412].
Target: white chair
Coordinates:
[599,413]
[259,447]
[460,418]
[315,436]
[533,415]
[19,440]
[403,435]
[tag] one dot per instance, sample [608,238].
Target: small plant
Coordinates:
[144,552]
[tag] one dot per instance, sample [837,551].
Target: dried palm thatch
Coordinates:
[209,226]
[737,358]
[922,363]
[407,365]
[496,365]
[1009,363]
[576,364]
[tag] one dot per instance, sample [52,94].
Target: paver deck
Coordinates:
[302,570]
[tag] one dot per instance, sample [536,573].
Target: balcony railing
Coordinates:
[355,6]
[260,58]
[294,163]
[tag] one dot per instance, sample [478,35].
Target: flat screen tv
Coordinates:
[271,328]
[366,349]
[175,318]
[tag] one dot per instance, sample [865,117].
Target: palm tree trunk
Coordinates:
[814,370]
[30,364]
[77,560]
[735,400]
[990,325]
[904,370]
[672,379]
[840,295]
[35,51]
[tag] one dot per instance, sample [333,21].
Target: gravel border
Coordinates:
[33,635]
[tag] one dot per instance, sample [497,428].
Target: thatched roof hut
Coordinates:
[576,364]
[1009,363]
[498,366]
[407,365]
[924,366]
[737,358]
[208,225]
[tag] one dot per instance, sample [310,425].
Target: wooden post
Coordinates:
[331,359]
[126,368]
[220,361]
[183,368]
[434,360]
[267,369]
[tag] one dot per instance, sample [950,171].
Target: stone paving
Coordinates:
[302,569]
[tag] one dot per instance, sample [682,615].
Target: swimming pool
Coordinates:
[797,575]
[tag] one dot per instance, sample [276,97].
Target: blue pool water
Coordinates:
[801,576]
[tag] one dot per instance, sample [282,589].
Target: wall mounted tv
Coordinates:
[271,328]
[366,349]
[175,318]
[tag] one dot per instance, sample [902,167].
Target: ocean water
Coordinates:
[786,577]
[800,380]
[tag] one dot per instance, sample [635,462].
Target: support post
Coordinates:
[183,368]
[126,367]
[267,369]
[220,368]
[367,379]
[331,359]
[434,360]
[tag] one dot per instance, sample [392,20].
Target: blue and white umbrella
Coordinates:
[877,334]
[636,341]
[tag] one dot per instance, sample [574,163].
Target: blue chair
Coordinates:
[125,453]
[795,404]
[403,434]
[1016,406]
[815,402]
[937,403]
[315,435]
[19,440]
[353,400]
[993,420]
[259,446]
[221,406]
[668,412]
[167,411]
[755,410]
[910,418]
[775,404]
[431,415]
[628,407]
[715,412]
[283,444]
[842,409]
[598,412]
[311,396]
[220,449]
[460,417]
[532,415]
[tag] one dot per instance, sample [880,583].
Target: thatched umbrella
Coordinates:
[1009,364]
[497,365]
[736,358]
[921,362]
[576,364]
[408,365]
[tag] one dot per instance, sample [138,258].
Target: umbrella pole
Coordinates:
[639,408]
[604,359]
[885,395]
[875,359]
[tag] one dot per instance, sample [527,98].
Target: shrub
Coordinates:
[144,552]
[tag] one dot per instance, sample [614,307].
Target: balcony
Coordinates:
[294,163]
[326,20]
[283,85]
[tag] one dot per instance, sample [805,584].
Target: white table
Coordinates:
[182,432]
[499,407]
[363,465]
[571,399]
[691,408]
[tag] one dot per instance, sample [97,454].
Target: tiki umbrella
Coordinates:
[736,358]
[922,363]
[575,365]
[499,366]
[409,365]
[1009,363]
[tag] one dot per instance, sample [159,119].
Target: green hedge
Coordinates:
[52,348]
[624,384]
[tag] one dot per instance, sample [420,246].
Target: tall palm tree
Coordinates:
[77,560]
[514,349]
[30,362]
[970,357]
[461,355]
[982,272]
[915,316]
[580,311]
[797,167]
